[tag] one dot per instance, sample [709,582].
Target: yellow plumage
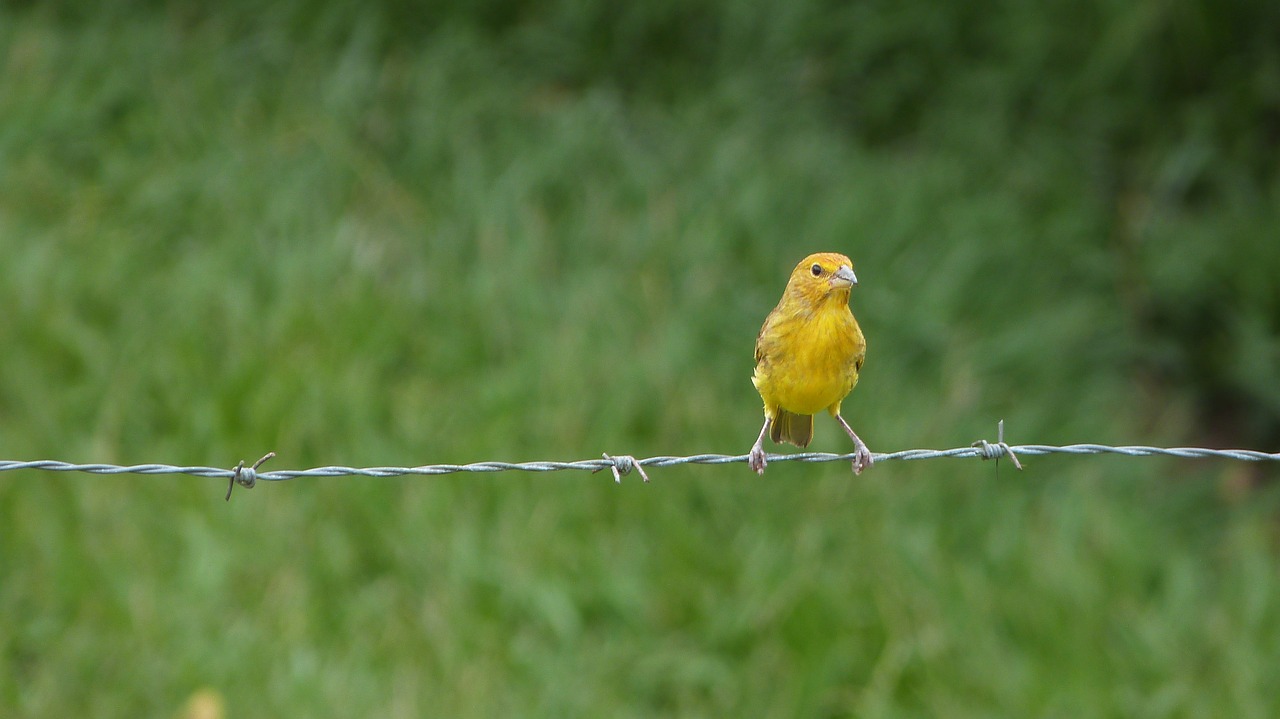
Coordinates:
[808,355]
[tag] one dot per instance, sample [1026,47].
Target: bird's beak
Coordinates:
[844,277]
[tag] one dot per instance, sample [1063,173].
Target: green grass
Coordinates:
[224,234]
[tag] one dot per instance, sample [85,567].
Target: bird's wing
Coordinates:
[763,340]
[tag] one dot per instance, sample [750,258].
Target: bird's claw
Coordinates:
[862,459]
[756,460]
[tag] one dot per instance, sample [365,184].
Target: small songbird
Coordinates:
[808,356]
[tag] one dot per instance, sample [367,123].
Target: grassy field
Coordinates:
[504,234]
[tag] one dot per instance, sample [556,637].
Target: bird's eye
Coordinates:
[816,270]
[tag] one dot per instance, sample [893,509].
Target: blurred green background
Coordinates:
[391,234]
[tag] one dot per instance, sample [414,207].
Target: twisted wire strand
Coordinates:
[623,464]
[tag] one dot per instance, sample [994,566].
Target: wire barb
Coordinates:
[987,450]
[244,476]
[622,466]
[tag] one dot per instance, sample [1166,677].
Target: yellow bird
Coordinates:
[808,355]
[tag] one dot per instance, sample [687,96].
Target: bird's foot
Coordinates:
[861,455]
[861,458]
[756,459]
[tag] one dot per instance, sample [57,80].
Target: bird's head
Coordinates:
[825,275]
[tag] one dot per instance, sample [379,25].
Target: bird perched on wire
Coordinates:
[808,356]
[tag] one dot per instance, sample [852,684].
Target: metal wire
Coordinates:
[623,464]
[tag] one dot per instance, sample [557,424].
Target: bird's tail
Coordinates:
[794,428]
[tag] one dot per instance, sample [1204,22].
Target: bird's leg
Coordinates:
[862,456]
[756,458]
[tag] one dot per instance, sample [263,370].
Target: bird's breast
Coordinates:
[812,362]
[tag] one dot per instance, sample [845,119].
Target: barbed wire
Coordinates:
[622,465]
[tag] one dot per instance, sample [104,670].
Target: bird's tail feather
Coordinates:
[794,428]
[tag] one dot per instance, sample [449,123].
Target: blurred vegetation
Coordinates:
[374,233]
